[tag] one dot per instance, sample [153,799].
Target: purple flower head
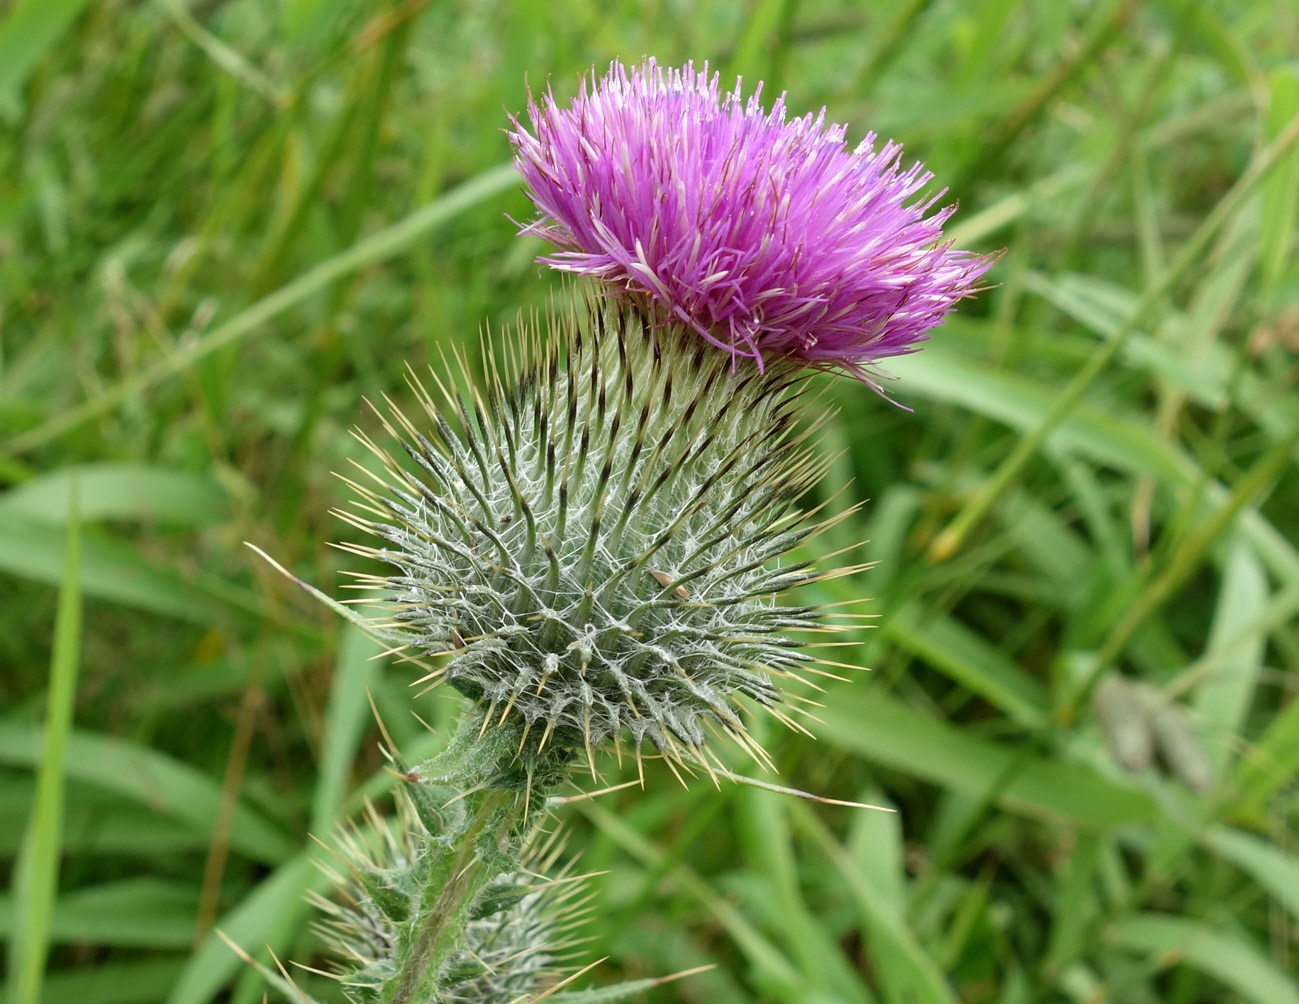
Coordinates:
[768,237]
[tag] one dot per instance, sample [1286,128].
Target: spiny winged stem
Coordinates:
[475,802]
[447,904]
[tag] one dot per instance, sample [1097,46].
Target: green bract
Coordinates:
[597,548]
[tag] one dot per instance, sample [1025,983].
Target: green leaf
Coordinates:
[1223,699]
[957,651]
[762,29]
[1269,866]
[1075,901]
[132,913]
[1049,544]
[379,246]
[977,227]
[116,572]
[885,731]
[36,874]
[121,491]
[1069,399]
[95,823]
[345,723]
[909,975]
[1228,958]
[1102,308]
[275,908]
[304,20]
[771,965]
[770,850]
[947,375]
[136,982]
[1281,191]
[30,29]
[1271,763]
[152,779]
[875,847]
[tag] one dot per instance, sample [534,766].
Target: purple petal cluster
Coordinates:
[767,236]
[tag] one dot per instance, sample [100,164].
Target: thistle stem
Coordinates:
[448,904]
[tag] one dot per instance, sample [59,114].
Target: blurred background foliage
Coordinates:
[224,224]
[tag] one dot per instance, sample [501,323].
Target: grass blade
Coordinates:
[140,492]
[1281,193]
[1272,868]
[114,983]
[267,915]
[884,730]
[345,723]
[130,913]
[771,965]
[36,874]
[1226,957]
[909,974]
[30,29]
[375,248]
[950,540]
[1223,700]
[152,779]
[113,570]
[947,645]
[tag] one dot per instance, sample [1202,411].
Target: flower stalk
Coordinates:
[450,894]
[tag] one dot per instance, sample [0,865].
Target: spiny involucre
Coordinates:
[596,549]
[768,237]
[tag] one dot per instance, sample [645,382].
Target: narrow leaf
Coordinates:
[152,779]
[36,874]
[1234,962]
[885,731]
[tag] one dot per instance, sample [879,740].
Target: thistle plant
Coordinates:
[597,546]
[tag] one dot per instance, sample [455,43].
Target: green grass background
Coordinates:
[223,224]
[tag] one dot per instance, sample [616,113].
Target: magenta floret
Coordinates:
[767,236]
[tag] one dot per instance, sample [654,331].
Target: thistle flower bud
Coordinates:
[518,939]
[595,550]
